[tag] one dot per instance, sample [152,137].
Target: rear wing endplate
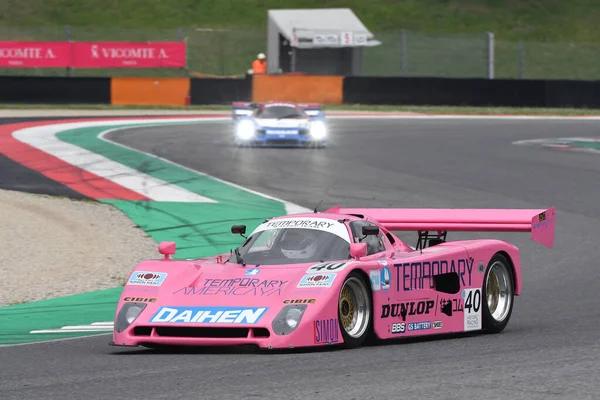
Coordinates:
[541,223]
[312,110]
[240,109]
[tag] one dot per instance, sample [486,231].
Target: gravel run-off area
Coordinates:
[55,246]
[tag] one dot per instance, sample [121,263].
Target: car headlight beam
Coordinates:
[318,130]
[288,319]
[245,129]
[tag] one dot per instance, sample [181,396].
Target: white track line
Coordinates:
[93,327]
[54,340]
[44,138]
[290,208]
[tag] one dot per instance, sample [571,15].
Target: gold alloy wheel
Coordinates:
[354,307]
[498,289]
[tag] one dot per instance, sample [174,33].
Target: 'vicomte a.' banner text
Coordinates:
[92,54]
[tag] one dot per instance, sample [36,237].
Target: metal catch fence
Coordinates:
[230,52]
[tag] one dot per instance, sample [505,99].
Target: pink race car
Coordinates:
[336,277]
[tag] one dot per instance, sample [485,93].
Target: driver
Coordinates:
[297,244]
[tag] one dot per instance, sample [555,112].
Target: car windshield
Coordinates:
[280,112]
[292,246]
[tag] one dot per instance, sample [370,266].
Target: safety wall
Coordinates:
[300,88]
[149,91]
[220,90]
[472,92]
[36,90]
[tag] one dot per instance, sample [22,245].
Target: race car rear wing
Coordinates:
[247,108]
[541,223]
[241,109]
[311,110]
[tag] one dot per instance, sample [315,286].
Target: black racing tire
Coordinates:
[498,303]
[355,310]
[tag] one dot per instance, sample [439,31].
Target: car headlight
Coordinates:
[245,129]
[128,314]
[318,130]
[288,319]
[293,317]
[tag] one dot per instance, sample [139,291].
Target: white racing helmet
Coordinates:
[298,245]
[261,56]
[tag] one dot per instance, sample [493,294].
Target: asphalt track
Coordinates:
[550,349]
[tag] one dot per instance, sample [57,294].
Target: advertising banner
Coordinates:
[129,55]
[35,54]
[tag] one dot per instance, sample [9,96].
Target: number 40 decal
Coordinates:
[327,267]
[472,299]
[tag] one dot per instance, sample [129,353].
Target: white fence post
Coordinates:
[490,55]
[521,59]
[404,49]
[68,33]
[182,39]
[293,47]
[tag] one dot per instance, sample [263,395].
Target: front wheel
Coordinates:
[354,310]
[498,292]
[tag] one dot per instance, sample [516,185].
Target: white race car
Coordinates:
[279,124]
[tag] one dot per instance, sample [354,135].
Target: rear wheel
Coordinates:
[354,310]
[498,292]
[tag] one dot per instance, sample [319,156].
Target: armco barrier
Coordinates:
[298,88]
[220,90]
[573,94]
[150,91]
[441,91]
[59,90]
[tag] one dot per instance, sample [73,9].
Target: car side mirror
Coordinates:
[167,249]
[370,230]
[238,229]
[358,250]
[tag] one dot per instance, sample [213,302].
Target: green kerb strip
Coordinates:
[81,309]
[200,229]
[585,145]
[87,138]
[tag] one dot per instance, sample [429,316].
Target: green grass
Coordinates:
[333,108]
[511,19]
[446,37]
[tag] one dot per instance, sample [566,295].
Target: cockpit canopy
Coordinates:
[304,240]
[280,111]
